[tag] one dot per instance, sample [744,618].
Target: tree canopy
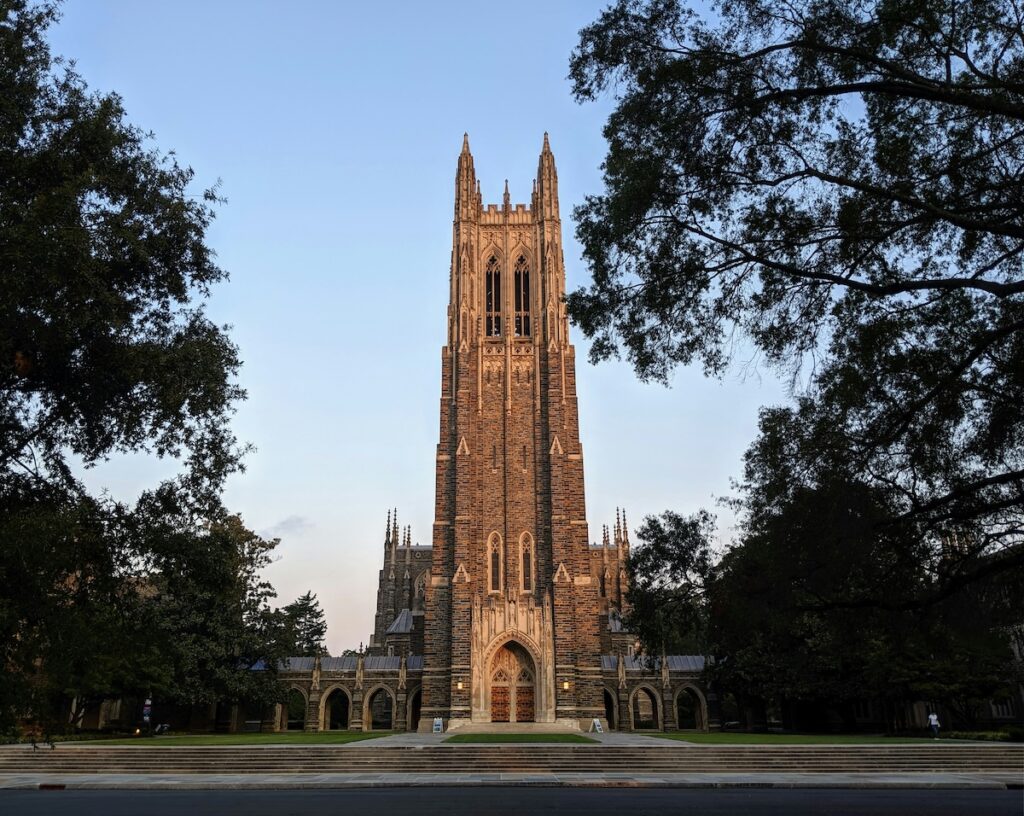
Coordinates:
[840,187]
[307,627]
[105,349]
[835,188]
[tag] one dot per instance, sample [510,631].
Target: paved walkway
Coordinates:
[112,781]
[620,738]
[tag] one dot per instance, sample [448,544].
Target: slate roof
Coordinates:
[401,625]
[684,663]
[347,663]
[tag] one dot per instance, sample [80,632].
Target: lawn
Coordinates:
[574,738]
[279,738]
[728,738]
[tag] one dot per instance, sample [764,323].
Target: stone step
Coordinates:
[671,758]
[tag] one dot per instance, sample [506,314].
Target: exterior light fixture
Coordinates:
[459,685]
[565,685]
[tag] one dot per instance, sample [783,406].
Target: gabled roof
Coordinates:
[402,625]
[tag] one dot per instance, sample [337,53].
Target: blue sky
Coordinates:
[334,130]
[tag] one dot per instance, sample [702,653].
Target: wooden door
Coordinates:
[499,704]
[524,703]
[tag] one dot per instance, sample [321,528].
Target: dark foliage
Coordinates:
[104,350]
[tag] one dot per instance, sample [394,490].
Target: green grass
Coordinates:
[728,738]
[280,738]
[575,738]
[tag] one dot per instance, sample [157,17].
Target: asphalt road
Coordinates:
[528,801]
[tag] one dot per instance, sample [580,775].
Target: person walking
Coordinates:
[933,724]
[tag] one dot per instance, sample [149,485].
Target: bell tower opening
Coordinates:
[492,289]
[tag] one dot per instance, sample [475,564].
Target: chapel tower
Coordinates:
[511,630]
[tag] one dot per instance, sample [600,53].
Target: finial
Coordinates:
[465,142]
[625,529]
[387,529]
[547,145]
[506,199]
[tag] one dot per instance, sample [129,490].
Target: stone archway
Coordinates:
[413,706]
[379,710]
[691,710]
[610,708]
[512,684]
[335,709]
[644,710]
[294,710]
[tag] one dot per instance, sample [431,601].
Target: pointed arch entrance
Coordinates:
[513,685]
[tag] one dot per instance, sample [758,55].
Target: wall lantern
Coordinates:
[459,685]
[565,685]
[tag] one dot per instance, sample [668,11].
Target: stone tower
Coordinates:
[512,632]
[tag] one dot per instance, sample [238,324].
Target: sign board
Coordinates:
[147,710]
[438,725]
[595,725]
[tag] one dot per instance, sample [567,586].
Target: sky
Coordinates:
[333,129]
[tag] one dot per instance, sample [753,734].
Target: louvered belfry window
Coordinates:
[492,290]
[522,292]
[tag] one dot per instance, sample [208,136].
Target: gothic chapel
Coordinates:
[511,614]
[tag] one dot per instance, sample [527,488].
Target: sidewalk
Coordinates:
[417,740]
[114,781]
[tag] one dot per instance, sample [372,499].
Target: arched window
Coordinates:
[492,307]
[495,563]
[526,561]
[522,293]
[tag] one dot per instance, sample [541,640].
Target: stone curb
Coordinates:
[809,781]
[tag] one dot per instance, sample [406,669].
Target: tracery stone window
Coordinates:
[522,297]
[526,562]
[495,563]
[492,290]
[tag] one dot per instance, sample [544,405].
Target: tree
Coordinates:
[840,185]
[668,575]
[306,625]
[105,349]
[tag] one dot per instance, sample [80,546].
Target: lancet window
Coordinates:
[492,291]
[494,563]
[526,561]
[522,297]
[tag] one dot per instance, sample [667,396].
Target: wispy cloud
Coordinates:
[290,525]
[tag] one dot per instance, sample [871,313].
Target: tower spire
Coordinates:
[547,182]
[466,196]
[394,536]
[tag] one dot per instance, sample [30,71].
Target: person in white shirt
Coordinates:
[933,724]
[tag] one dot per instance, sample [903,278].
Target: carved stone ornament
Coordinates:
[315,683]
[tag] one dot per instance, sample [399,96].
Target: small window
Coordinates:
[492,308]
